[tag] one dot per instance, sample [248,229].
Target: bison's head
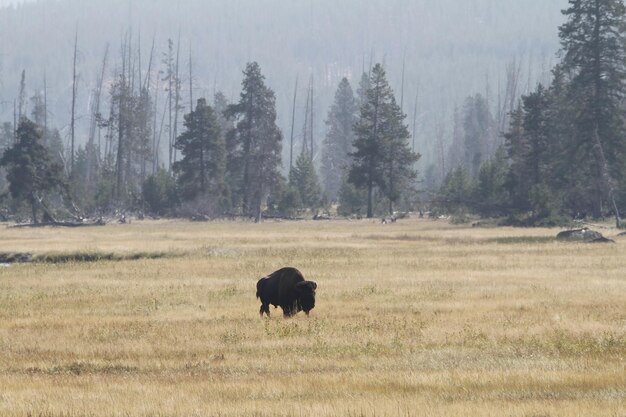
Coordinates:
[306,295]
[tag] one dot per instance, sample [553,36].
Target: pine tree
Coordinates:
[455,193]
[159,192]
[491,197]
[6,136]
[339,138]
[6,140]
[304,178]
[352,200]
[594,59]
[30,171]
[130,127]
[86,163]
[227,132]
[258,140]
[529,146]
[201,169]
[517,146]
[478,133]
[399,171]
[361,92]
[382,157]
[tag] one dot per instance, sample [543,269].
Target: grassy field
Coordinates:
[416,318]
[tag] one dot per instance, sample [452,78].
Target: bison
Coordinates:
[288,289]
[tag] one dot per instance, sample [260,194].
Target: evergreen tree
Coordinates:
[201,169]
[83,191]
[30,171]
[290,201]
[54,144]
[478,133]
[258,141]
[456,153]
[352,200]
[456,192]
[361,92]
[339,138]
[491,197]
[304,179]
[38,112]
[227,133]
[160,192]
[129,135]
[517,146]
[529,147]
[6,139]
[399,171]
[594,59]
[382,157]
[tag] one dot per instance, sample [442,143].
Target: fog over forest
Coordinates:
[451,48]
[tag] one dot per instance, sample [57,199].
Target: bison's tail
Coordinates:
[259,286]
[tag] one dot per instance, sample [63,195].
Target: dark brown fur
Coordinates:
[288,289]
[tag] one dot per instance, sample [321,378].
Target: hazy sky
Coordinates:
[10,2]
[452,48]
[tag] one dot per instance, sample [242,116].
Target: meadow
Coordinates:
[415,318]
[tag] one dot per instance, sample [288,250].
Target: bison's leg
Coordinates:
[265,308]
[289,310]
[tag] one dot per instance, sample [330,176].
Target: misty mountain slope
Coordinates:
[452,47]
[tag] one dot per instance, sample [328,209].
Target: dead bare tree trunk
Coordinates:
[33,207]
[121,123]
[312,150]
[507,105]
[155,144]
[21,97]
[415,118]
[14,121]
[177,83]
[190,80]
[402,83]
[95,114]
[73,121]
[293,120]
[45,109]
[440,134]
[305,128]
[147,85]
[170,85]
[606,175]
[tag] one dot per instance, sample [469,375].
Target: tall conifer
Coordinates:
[258,140]
[382,157]
[201,169]
[339,138]
[594,59]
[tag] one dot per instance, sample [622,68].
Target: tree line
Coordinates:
[563,153]
[225,162]
[553,154]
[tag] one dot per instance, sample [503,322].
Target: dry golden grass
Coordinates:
[416,318]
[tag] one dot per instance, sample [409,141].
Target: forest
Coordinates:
[541,146]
